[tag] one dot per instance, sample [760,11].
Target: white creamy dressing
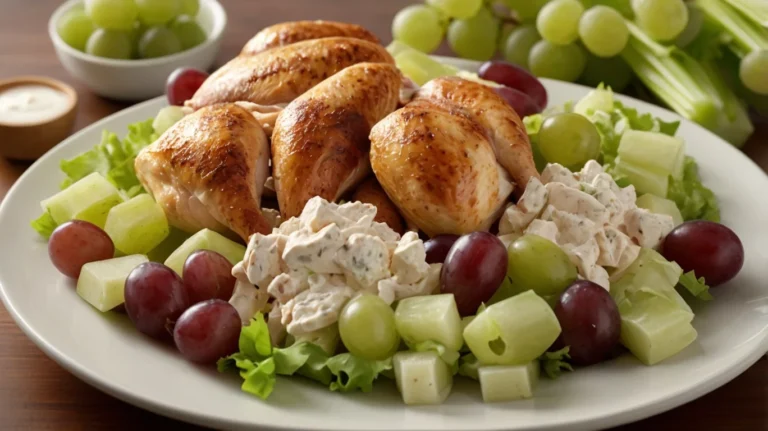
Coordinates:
[31,103]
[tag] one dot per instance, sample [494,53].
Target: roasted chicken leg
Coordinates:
[208,171]
[448,157]
[320,143]
[291,32]
[278,76]
[370,192]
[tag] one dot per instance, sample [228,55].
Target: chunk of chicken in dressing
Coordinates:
[594,221]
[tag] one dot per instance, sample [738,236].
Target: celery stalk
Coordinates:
[755,9]
[687,86]
[744,35]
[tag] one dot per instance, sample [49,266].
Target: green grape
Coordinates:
[569,139]
[613,71]
[188,31]
[563,62]
[474,38]
[603,31]
[662,20]
[693,28]
[526,10]
[190,7]
[74,28]
[112,14]
[158,42]
[754,71]
[461,9]
[109,44]
[136,34]
[421,27]
[157,12]
[538,264]
[519,44]
[367,328]
[558,21]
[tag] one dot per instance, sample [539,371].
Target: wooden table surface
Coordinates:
[37,394]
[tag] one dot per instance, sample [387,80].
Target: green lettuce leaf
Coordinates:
[468,365]
[646,122]
[353,373]
[258,378]
[450,357]
[305,359]
[44,225]
[112,158]
[695,286]
[695,201]
[554,363]
[254,342]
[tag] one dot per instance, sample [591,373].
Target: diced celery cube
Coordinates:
[508,383]
[653,273]
[137,225]
[206,239]
[644,179]
[599,99]
[174,240]
[659,205]
[102,283]
[88,199]
[514,331]
[429,318]
[422,377]
[655,328]
[655,151]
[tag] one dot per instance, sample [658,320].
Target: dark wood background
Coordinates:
[37,394]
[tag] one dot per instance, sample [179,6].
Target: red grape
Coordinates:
[473,270]
[208,275]
[709,249]
[515,77]
[519,101]
[77,242]
[590,322]
[154,298]
[208,331]
[438,247]
[182,84]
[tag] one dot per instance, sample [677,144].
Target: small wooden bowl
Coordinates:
[29,141]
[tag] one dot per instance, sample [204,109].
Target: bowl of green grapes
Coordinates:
[125,49]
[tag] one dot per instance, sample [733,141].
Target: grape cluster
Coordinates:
[567,40]
[131,29]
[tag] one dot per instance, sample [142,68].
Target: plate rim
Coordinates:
[622,416]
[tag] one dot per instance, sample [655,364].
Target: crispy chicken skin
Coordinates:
[320,143]
[370,192]
[208,171]
[446,158]
[280,75]
[501,123]
[288,33]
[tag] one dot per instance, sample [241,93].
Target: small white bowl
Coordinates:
[134,80]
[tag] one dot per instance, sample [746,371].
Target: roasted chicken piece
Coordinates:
[291,32]
[447,158]
[370,192]
[208,171]
[277,76]
[320,142]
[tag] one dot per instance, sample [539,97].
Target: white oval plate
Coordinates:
[107,352]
